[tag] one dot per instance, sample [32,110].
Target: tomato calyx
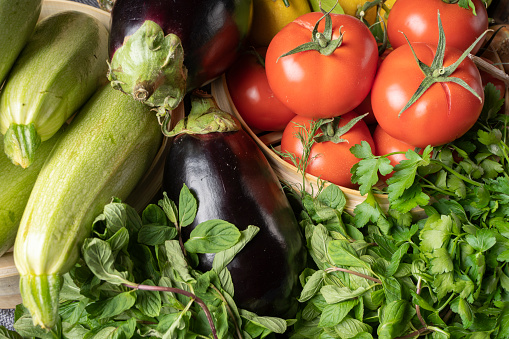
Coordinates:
[320,41]
[331,131]
[437,72]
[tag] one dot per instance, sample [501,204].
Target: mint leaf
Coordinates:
[148,302]
[313,284]
[395,318]
[335,294]
[99,258]
[153,234]
[273,324]
[212,236]
[335,313]
[187,207]
[112,307]
[343,254]
[169,207]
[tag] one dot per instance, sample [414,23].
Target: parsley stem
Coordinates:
[459,175]
[179,291]
[417,307]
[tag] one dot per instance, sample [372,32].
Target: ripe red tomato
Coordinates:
[252,96]
[329,161]
[385,144]
[322,86]
[442,114]
[419,22]
[365,105]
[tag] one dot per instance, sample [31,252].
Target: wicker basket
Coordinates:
[144,192]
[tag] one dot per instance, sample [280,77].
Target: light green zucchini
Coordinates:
[17,21]
[103,154]
[16,183]
[61,66]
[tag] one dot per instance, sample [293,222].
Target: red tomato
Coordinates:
[442,114]
[252,96]
[419,22]
[386,144]
[329,161]
[365,105]
[319,86]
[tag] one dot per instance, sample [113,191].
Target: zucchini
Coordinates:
[103,153]
[61,66]
[17,21]
[15,186]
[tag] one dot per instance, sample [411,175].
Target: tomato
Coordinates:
[329,161]
[319,86]
[419,22]
[252,96]
[365,105]
[444,112]
[270,16]
[385,144]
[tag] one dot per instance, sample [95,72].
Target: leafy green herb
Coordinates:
[136,279]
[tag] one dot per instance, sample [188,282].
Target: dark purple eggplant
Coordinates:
[162,49]
[233,181]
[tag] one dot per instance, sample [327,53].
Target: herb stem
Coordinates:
[459,175]
[229,310]
[333,269]
[179,291]
[417,307]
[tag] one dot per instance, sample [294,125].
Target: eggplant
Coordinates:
[162,49]
[233,181]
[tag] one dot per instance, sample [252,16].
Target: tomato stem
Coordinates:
[437,73]
[321,42]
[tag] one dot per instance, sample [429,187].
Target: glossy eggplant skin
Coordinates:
[212,31]
[233,181]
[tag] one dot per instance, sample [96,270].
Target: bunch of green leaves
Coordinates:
[433,262]
[137,278]
[437,277]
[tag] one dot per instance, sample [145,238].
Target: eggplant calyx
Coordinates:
[150,67]
[205,117]
[21,143]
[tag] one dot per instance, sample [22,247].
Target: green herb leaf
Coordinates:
[335,313]
[342,254]
[99,258]
[212,236]
[153,234]
[112,307]
[187,207]
[313,285]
